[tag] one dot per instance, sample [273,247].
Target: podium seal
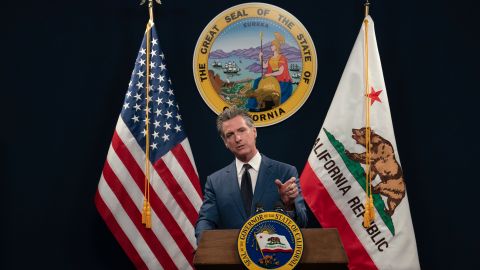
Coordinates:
[255,56]
[270,240]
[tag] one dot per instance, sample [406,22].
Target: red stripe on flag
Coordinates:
[156,203]
[118,233]
[136,216]
[128,160]
[184,161]
[327,213]
[172,226]
[176,191]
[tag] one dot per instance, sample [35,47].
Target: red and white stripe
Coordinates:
[330,216]
[175,198]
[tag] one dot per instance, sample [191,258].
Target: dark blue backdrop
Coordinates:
[66,65]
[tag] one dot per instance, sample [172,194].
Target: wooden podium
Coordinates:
[322,249]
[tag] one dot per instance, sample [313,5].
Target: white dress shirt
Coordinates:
[255,163]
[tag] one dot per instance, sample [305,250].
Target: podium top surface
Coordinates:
[219,248]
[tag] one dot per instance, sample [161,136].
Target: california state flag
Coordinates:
[333,181]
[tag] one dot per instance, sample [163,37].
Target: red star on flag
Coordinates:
[373,96]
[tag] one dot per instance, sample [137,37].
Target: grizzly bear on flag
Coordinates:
[383,164]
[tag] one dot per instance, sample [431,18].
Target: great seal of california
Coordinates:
[256,56]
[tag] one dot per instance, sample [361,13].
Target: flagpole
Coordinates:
[146,213]
[369,214]
[367,8]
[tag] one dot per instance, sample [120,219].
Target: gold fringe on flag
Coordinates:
[144,209]
[369,214]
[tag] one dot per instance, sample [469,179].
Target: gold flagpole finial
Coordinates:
[367,7]
[150,8]
[150,1]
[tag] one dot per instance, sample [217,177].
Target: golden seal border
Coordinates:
[274,216]
[262,11]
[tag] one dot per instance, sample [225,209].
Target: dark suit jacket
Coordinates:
[222,206]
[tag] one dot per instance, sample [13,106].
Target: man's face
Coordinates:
[240,138]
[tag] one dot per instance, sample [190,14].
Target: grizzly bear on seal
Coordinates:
[383,164]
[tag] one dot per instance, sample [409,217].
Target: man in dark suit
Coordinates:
[232,193]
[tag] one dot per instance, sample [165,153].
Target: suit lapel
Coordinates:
[263,181]
[234,189]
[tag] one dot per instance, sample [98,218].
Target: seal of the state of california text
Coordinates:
[255,56]
[270,240]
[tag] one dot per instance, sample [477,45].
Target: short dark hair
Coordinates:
[230,113]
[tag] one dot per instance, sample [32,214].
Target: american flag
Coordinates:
[175,193]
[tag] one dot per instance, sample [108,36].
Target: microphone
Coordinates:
[279,207]
[259,208]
